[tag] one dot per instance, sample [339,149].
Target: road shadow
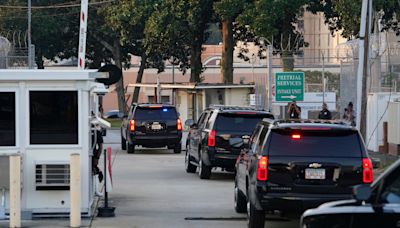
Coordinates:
[222,176]
[153,151]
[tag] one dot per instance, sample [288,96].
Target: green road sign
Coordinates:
[289,86]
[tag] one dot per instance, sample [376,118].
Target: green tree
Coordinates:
[275,22]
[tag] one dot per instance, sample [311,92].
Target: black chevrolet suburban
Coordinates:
[151,125]
[293,165]
[218,137]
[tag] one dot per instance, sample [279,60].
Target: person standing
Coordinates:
[325,114]
[294,110]
[349,114]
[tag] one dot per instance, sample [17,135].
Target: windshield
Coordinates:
[234,122]
[161,113]
[314,143]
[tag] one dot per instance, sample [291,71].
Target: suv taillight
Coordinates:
[211,138]
[262,168]
[179,125]
[368,176]
[132,125]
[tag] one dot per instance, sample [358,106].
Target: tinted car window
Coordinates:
[53,117]
[162,113]
[314,143]
[235,122]
[7,119]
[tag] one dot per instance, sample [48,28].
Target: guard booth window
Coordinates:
[53,117]
[7,119]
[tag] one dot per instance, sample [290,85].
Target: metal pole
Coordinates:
[158,100]
[269,78]
[105,180]
[82,34]
[364,11]
[173,82]
[323,78]
[30,64]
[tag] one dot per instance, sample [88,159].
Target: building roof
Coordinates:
[50,75]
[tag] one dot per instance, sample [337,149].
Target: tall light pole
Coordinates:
[30,63]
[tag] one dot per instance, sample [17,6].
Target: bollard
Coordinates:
[15,191]
[75,190]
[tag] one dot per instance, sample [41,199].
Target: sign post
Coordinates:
[289,86]
[82,34]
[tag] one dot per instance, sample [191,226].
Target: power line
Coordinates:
[54,6]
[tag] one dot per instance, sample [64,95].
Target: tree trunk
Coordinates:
[196,66]
[227,52]
[120,84]
[287,61]
[139,77]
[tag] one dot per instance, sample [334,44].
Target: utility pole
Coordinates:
[30,63]
[323,78]
[362,71]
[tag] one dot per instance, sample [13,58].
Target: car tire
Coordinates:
[255,218]
[123,143]
[189,167]
[204,170]
[131,148]
[178,149]
[240,201]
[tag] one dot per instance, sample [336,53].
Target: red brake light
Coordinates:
[211,138]
[368,176]
[296,136]
[179,125]
[132,125]
[262,170]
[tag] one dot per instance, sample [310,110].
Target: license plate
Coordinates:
[315,174]
[156,127]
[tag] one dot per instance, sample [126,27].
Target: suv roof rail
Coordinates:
[288,121]
[234,107]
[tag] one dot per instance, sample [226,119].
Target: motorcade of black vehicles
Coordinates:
[292,165]
[112,114]
[377,205]
[151,125]
[217,138]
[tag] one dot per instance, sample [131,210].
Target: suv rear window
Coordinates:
[340,143]
[238,122]
[158,113]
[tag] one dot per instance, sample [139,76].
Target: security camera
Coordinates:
[100,91]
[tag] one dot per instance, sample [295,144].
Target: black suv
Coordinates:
[151,125]
[293,165]
[377,205]
[218,137]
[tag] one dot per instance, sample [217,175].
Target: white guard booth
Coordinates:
[45,116]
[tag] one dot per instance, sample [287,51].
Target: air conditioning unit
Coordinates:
[52,176]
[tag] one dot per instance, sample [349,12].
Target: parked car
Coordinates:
[217,137]
[151,125]
[112,114]
[377,205]
[293,165]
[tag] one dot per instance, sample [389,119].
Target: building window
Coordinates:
[7,119]
[53,117]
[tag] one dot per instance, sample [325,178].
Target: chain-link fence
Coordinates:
[16,58]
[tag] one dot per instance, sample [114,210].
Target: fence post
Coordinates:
[75,190]
[15,190]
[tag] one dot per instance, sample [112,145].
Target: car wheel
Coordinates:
[131,148]
[204,170]
[240,201]
[178,148]
[255,218]
[123,143]
[189,167]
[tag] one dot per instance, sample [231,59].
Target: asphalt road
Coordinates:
[152,189]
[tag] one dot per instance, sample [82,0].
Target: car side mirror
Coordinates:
[362,192]
[189,122]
